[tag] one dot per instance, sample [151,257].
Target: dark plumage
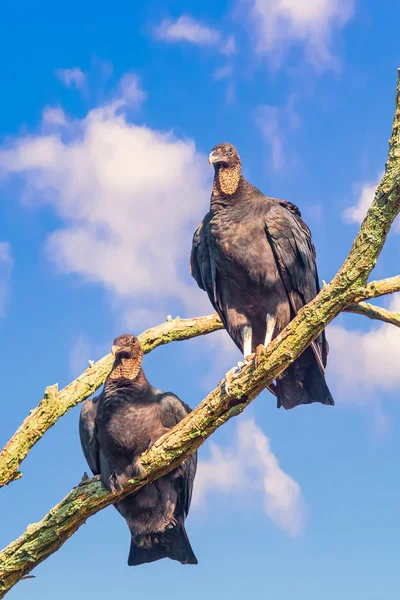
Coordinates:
[115,428]
[254,257]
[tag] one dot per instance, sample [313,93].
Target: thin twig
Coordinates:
[375,312]
[381,287]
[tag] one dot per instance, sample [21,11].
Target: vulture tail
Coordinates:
[173,543]
[303,382]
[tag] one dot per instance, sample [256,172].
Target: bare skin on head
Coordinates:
[254,257]
[115,429]
[226,161]
[128,355]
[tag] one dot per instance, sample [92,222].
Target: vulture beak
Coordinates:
[115,349]
[213,157]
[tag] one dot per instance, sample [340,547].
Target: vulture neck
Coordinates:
[227,181]
[131,369]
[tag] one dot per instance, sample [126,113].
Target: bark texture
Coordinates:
[375,312]
[349,286]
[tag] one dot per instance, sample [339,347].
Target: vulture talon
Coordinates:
[232,374]
[236,371]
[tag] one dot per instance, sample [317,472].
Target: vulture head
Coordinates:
[224,155]
[127,346]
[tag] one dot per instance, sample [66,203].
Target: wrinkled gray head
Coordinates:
[127,346]
[224,155]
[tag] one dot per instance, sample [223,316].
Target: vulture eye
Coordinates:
[230,150]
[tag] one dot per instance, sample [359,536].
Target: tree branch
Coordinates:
[55,404]
[381,287]
[42,539]
[375,312]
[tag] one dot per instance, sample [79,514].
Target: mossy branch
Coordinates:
[382,287]
[55,404]
[375,312]
[42,539]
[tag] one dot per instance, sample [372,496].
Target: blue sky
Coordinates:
[107,115]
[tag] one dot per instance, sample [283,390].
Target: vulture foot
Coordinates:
[235,372]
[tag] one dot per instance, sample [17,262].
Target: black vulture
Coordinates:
[254,257]
[115,428]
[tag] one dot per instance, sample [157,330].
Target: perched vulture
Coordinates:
[254,257]
[115,428]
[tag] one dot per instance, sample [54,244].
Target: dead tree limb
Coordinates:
[42,539]
[375,312]
[381,287]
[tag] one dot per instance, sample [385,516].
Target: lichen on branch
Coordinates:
[375,312]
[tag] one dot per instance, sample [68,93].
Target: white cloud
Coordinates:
[54,116]
[129,196]
[251,466]
[361,362]
[273,122]
[268,119]
[6,266]
[278,25]
[187,29]
[229,46]
[357,212]
[130,91]
[223,73]
[72,77]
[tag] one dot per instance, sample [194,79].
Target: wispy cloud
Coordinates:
[357,212]
[279,25]
[54,116]
[71,77]
[188,29]
[223,73]
[229,46]
[115,185]
[6,267]
[130,91]
[273,123]
[251,467]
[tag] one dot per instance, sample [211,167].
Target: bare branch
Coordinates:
[56,403]
[380,288]
[375,312]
